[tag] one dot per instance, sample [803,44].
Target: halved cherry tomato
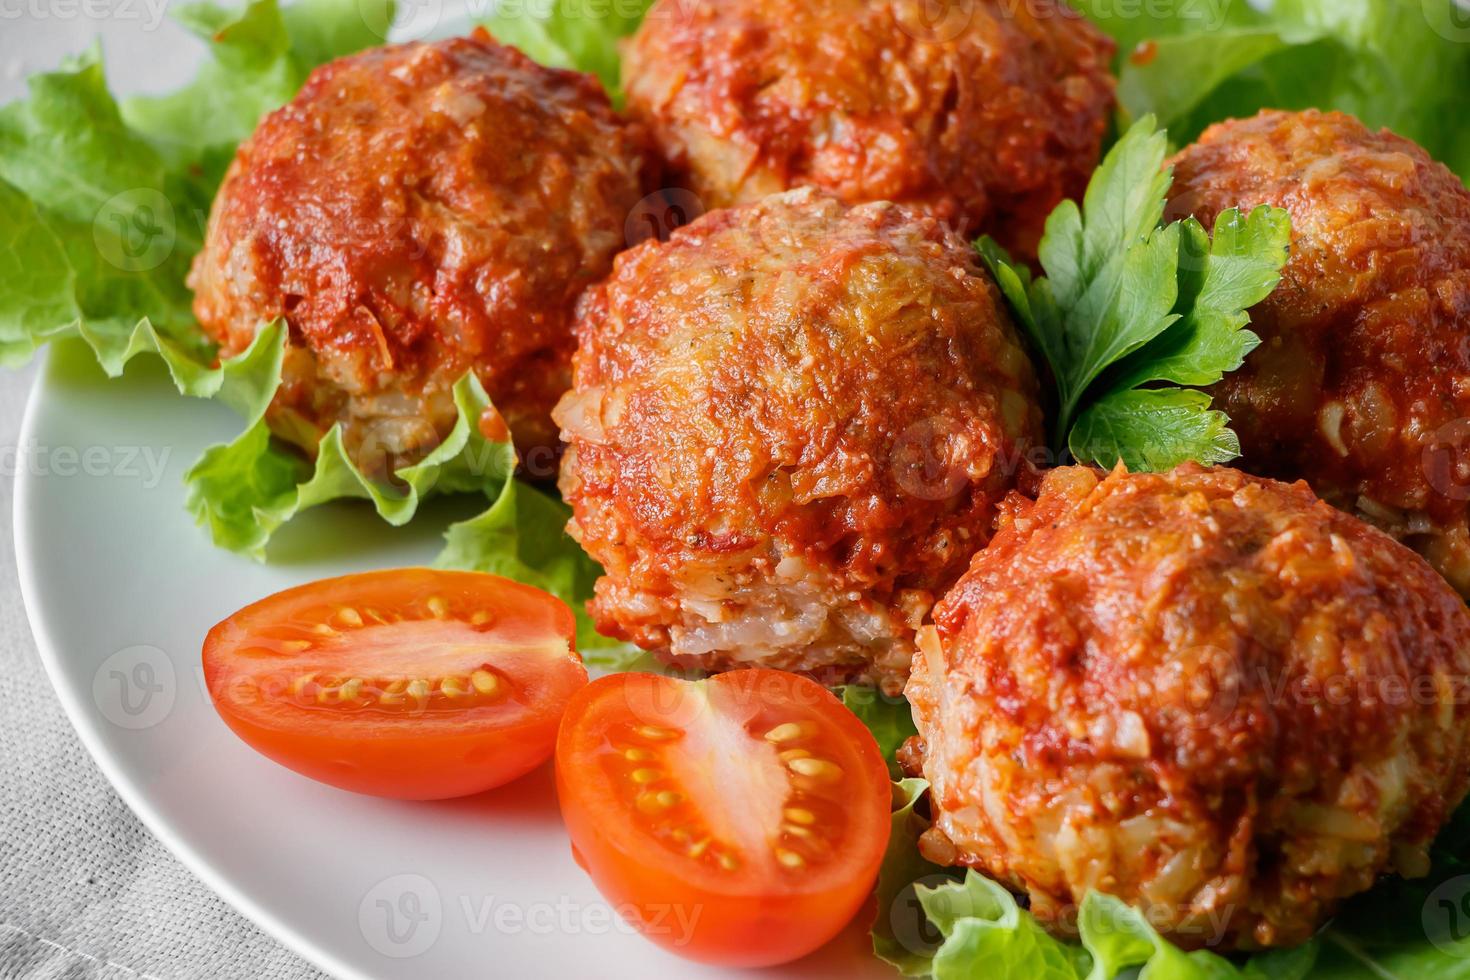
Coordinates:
[738,820]
[412,684]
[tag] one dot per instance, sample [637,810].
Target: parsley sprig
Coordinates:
[1134,315]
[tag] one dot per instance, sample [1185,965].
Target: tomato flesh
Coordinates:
[739,820]
[411,684]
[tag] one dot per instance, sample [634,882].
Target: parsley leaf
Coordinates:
[1219,280]
[1129,304]
[1153,429]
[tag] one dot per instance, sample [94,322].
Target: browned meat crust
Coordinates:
[1362,383]
[1208,694]
[988,115]
[416,212]
[790,427]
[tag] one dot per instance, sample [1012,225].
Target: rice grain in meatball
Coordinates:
[1361,385]
[989,114]
[1208,694]
[417,212]
[789,429]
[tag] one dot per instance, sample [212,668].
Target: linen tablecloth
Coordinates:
[86,893]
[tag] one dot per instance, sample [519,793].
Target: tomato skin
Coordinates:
[438,748]
[750,922]
[429,768]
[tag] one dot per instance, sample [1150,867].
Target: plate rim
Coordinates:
[49,652]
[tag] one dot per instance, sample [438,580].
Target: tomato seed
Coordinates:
[816,768]
[790,859]
[789,732]
[649,803]
[485,682]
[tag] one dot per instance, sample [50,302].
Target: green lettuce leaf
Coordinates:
[932,922]
[102,205]
[247,488]
[1128,304]
[902,935]
[97,244]
[106,240]
[523,536]
[889,719]
[1417,928]
[1400,64]
[571,34]
[982,924]
[1132,24]
[260,57]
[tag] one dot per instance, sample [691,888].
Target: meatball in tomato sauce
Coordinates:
[1209,694]
[1361,384]
[987,113]
[419,212]
[790,426]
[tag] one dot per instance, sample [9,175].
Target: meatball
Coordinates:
[1209,694]
[1361,385]
[989,115]
[789,429]
[416,213]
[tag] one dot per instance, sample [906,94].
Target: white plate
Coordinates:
[121,587]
